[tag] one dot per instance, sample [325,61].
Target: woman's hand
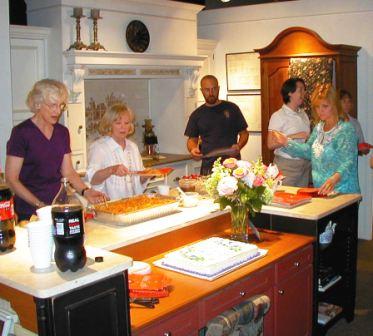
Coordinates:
[119,170]
[329,184]
[276,139]
[94,196]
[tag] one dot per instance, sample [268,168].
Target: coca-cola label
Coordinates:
[6,209]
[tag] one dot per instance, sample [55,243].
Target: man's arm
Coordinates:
[243,137]
[192,145]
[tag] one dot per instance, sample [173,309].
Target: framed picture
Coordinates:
[243,71]
[250,105]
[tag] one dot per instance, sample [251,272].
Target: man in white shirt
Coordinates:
[291,120]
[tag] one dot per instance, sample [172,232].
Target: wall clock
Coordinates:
[137,36]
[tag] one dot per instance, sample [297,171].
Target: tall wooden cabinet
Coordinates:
[274,66]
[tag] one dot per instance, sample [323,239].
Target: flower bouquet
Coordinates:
[245,187]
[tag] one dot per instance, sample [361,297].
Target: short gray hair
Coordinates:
[46,90]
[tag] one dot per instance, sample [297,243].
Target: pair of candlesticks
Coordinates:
[78,44]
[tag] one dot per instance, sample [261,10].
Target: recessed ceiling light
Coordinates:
[225,0]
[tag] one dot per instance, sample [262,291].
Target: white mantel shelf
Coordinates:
[97,58]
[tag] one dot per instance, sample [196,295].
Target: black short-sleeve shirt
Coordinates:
[218,126]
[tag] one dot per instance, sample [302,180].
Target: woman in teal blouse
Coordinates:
[332,146]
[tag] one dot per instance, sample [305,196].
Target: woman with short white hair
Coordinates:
[113,157]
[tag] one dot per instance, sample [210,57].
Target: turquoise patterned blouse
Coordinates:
[331,152]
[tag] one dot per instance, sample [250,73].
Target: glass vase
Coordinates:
[239,228]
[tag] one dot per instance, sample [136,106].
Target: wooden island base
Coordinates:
[285,274]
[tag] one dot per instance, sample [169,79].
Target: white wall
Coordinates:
[245,28]
[5,81]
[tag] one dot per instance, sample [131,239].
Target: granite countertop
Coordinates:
[314,210]
[164,158]
[16,270]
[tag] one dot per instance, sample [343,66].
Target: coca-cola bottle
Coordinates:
[7,221]
[68,229]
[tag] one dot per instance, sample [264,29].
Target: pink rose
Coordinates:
[227,186]
[258,181]
[230,163]
[240,172]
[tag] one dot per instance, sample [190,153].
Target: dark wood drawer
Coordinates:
[241,290]
[183,323]
[294,263]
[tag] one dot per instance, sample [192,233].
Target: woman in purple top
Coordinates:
[39,154]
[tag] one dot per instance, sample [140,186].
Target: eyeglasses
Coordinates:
[53,106]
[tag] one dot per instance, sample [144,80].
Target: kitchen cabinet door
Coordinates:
[293,302]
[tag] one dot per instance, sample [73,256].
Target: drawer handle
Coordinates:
[80,128]
[242,293]
[281,291]
[168,333]
[297,264]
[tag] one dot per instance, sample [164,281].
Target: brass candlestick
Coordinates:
[78,44]
[95,45]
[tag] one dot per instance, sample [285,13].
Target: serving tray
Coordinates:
[133,217]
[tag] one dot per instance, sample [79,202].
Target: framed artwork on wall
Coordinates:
[243,71]
[250,105]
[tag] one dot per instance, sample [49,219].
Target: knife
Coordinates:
[225,151]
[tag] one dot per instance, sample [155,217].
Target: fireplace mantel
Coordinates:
[98,58]
[101,64]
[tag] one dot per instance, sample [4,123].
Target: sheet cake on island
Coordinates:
[210,258]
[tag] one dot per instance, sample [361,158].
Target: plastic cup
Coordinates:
[45,213]
[164,189]
[40,243]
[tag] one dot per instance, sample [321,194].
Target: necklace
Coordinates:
[323,138]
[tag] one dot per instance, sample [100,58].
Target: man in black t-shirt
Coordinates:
[219,124]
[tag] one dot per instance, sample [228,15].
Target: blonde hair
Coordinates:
[329,93]
[113,113]
[46,90]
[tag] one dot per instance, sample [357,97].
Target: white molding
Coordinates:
[29,32]
[97,58]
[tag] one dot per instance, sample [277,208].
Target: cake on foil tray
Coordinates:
[211,256]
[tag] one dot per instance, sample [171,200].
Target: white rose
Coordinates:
[272,171]
[249,179]
[244,164]
[227,186]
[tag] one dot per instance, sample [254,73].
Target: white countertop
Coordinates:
[314,210]
[111,237]
[16,270]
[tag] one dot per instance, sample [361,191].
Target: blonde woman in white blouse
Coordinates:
[113,156]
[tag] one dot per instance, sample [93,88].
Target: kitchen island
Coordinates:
[54,303]
[334,263]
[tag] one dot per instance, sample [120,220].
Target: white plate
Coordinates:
[159,263]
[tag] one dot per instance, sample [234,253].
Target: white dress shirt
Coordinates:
[106,152]
[289,122]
